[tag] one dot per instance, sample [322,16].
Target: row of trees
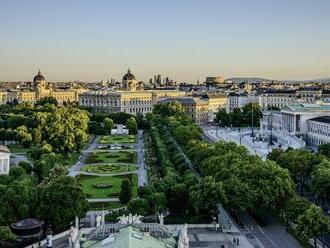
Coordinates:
[238,180]
[244,117]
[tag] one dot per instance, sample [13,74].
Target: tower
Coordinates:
[129,81]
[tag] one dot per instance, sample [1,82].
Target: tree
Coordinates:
[205,196]
[168,109]
[47,100]
[312,223]
[131,125]
[324,149]
[320,179]
[223,118]
[16,172]
[26,166]
[300,164]
[61,200]
[294,207]
[6,234]
[108,124]
[138,206]
[125,191]
[24,136]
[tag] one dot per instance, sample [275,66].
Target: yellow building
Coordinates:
[39,89]
[195,108]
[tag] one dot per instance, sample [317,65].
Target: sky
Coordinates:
[94,40]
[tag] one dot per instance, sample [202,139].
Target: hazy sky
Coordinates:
[183,39]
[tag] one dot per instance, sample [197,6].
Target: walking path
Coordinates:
[73,171]
[142,171]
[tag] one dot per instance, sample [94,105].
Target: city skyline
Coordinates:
[182,40]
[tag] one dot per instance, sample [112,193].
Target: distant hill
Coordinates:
[257,79]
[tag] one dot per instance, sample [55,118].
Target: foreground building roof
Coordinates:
[130,237]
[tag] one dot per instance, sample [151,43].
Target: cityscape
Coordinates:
[164,124]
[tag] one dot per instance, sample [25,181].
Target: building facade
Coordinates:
[239,101]
[38,89]
[318,131]
[4,160]
[130,99]
[195,108]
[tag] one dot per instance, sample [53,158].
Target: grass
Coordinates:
[88,184]
[117,139]
[95,206]
[108,168]
[112,157]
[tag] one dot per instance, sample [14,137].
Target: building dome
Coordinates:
[128,76]
[39,77]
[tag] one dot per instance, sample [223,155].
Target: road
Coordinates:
[142,171]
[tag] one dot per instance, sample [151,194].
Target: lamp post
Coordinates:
[252,133]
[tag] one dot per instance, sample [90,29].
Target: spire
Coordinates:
[129,70]
[39,73]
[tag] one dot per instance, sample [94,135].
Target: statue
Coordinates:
[98,220]
[161,219]
[183,238]
[130,219]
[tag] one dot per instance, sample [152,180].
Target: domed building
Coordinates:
[129,81]
[39,88]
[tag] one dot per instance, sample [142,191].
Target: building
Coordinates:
[4,160]
[277,98]
[280,97]
[38,89]
[318,131]
[133,236]
[195,108]
[215,102]
[239,101]
[214,80]
[298,125]
[130,99]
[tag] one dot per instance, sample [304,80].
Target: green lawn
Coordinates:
[117,139]
[112,157]
[108,168]
[91,185]
[94,206]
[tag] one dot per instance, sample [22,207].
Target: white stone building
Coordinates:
[318,131]
[298,124]
[239,101]
[4,160]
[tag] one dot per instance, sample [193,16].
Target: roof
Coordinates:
[306,107]
[4,149]
[325,119]
[129,76]
[130,237]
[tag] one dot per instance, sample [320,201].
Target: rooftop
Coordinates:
[130,237]
[325,119]
[306,107]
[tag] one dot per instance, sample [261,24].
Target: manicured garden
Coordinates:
[106,186]
[111,157]
[109,168]
[117,139]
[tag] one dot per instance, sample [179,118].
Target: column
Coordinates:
[2,167]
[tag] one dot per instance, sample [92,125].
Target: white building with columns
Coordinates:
[298,125]
[4,160]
